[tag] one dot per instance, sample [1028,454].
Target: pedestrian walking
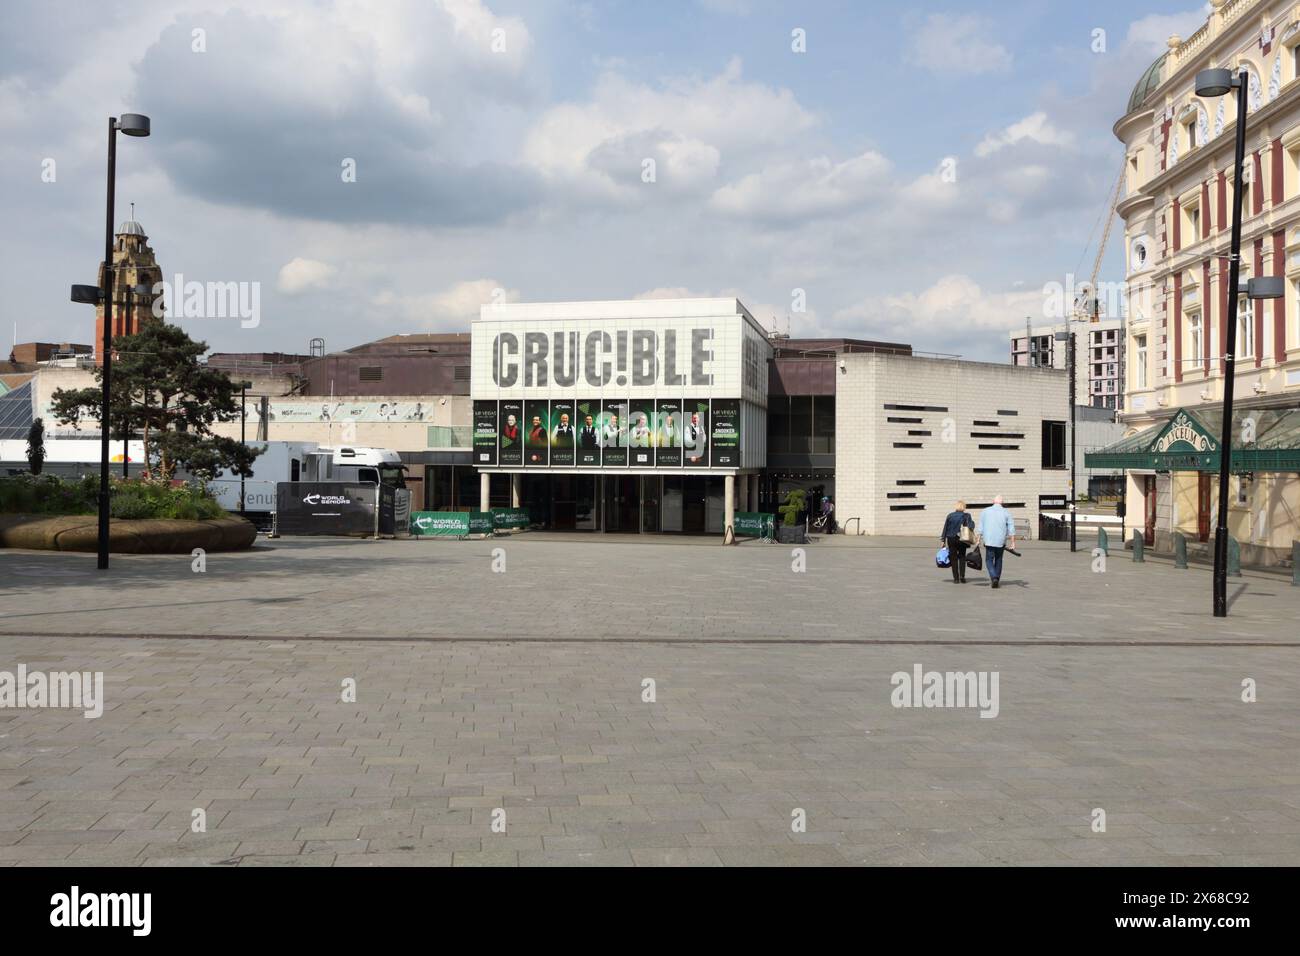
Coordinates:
[958,529]
[997,533]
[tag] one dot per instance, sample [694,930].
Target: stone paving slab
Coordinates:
[585,587]
[739,737]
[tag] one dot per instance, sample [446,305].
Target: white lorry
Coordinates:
[303,461]
[71,457]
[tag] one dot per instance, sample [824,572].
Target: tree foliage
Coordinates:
[36,446]
[160,389]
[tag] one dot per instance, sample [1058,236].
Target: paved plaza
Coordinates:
[518,698]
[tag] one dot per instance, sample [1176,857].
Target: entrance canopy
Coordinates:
[1263,440]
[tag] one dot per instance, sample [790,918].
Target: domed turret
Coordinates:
[1147,84]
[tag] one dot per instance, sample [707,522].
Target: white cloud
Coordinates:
[1151,33]
[470,166]
[299,275]
[807,189]
[948,43]
[953,308]
[689,125]
[453,308]
[1035,128]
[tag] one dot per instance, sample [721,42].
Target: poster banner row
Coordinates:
[608,433]
[458,524]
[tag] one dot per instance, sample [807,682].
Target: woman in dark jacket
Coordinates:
[951,536]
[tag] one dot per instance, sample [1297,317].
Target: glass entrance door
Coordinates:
[622,503]
[695,491]
[650,503]
[564,510]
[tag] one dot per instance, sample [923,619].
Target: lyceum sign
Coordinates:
[596,359]
[1181,430]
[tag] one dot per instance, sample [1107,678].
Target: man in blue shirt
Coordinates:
[997,532]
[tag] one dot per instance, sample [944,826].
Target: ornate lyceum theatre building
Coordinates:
[1176,208]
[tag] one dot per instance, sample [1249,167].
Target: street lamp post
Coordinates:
[1211,83]
[132,124]
[1068,337]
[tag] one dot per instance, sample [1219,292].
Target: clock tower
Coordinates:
[133,265]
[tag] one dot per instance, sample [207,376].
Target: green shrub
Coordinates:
[795,503]
[47,494]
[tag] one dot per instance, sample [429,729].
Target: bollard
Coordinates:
[1180,550]
[1138,543]
[1234,558]
[1295,564]
[1103,541]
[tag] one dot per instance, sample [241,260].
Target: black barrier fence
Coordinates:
[331,507]
[1052,529]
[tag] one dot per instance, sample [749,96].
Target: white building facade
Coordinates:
[914,435]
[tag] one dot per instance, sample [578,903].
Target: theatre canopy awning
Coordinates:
[1263,440]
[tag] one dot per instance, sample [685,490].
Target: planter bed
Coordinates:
[125,536]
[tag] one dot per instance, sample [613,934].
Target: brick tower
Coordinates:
[133,264]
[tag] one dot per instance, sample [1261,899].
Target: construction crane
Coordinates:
[1087,305]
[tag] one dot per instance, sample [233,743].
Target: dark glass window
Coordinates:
[801,424]
[778,424]
[823,425]
[1053,444]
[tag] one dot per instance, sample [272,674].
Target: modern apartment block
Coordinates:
[1099,374]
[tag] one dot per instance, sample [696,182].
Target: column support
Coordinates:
[729,503]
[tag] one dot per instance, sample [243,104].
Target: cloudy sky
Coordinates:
[919,170]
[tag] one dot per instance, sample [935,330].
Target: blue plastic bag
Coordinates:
[942,558]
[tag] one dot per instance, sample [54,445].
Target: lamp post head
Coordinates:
[1266,287]
[87,294]
[1215,82]
[133,124]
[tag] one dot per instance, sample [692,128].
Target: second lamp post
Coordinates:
[1216,83]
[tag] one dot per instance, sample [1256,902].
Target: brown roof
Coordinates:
[13,380]
[448,343]
[814,348]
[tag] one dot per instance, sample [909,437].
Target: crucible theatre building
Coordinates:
[672,415]
[633,416]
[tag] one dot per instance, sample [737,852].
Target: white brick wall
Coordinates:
[868,467]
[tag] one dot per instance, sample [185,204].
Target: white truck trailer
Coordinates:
[291,461]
